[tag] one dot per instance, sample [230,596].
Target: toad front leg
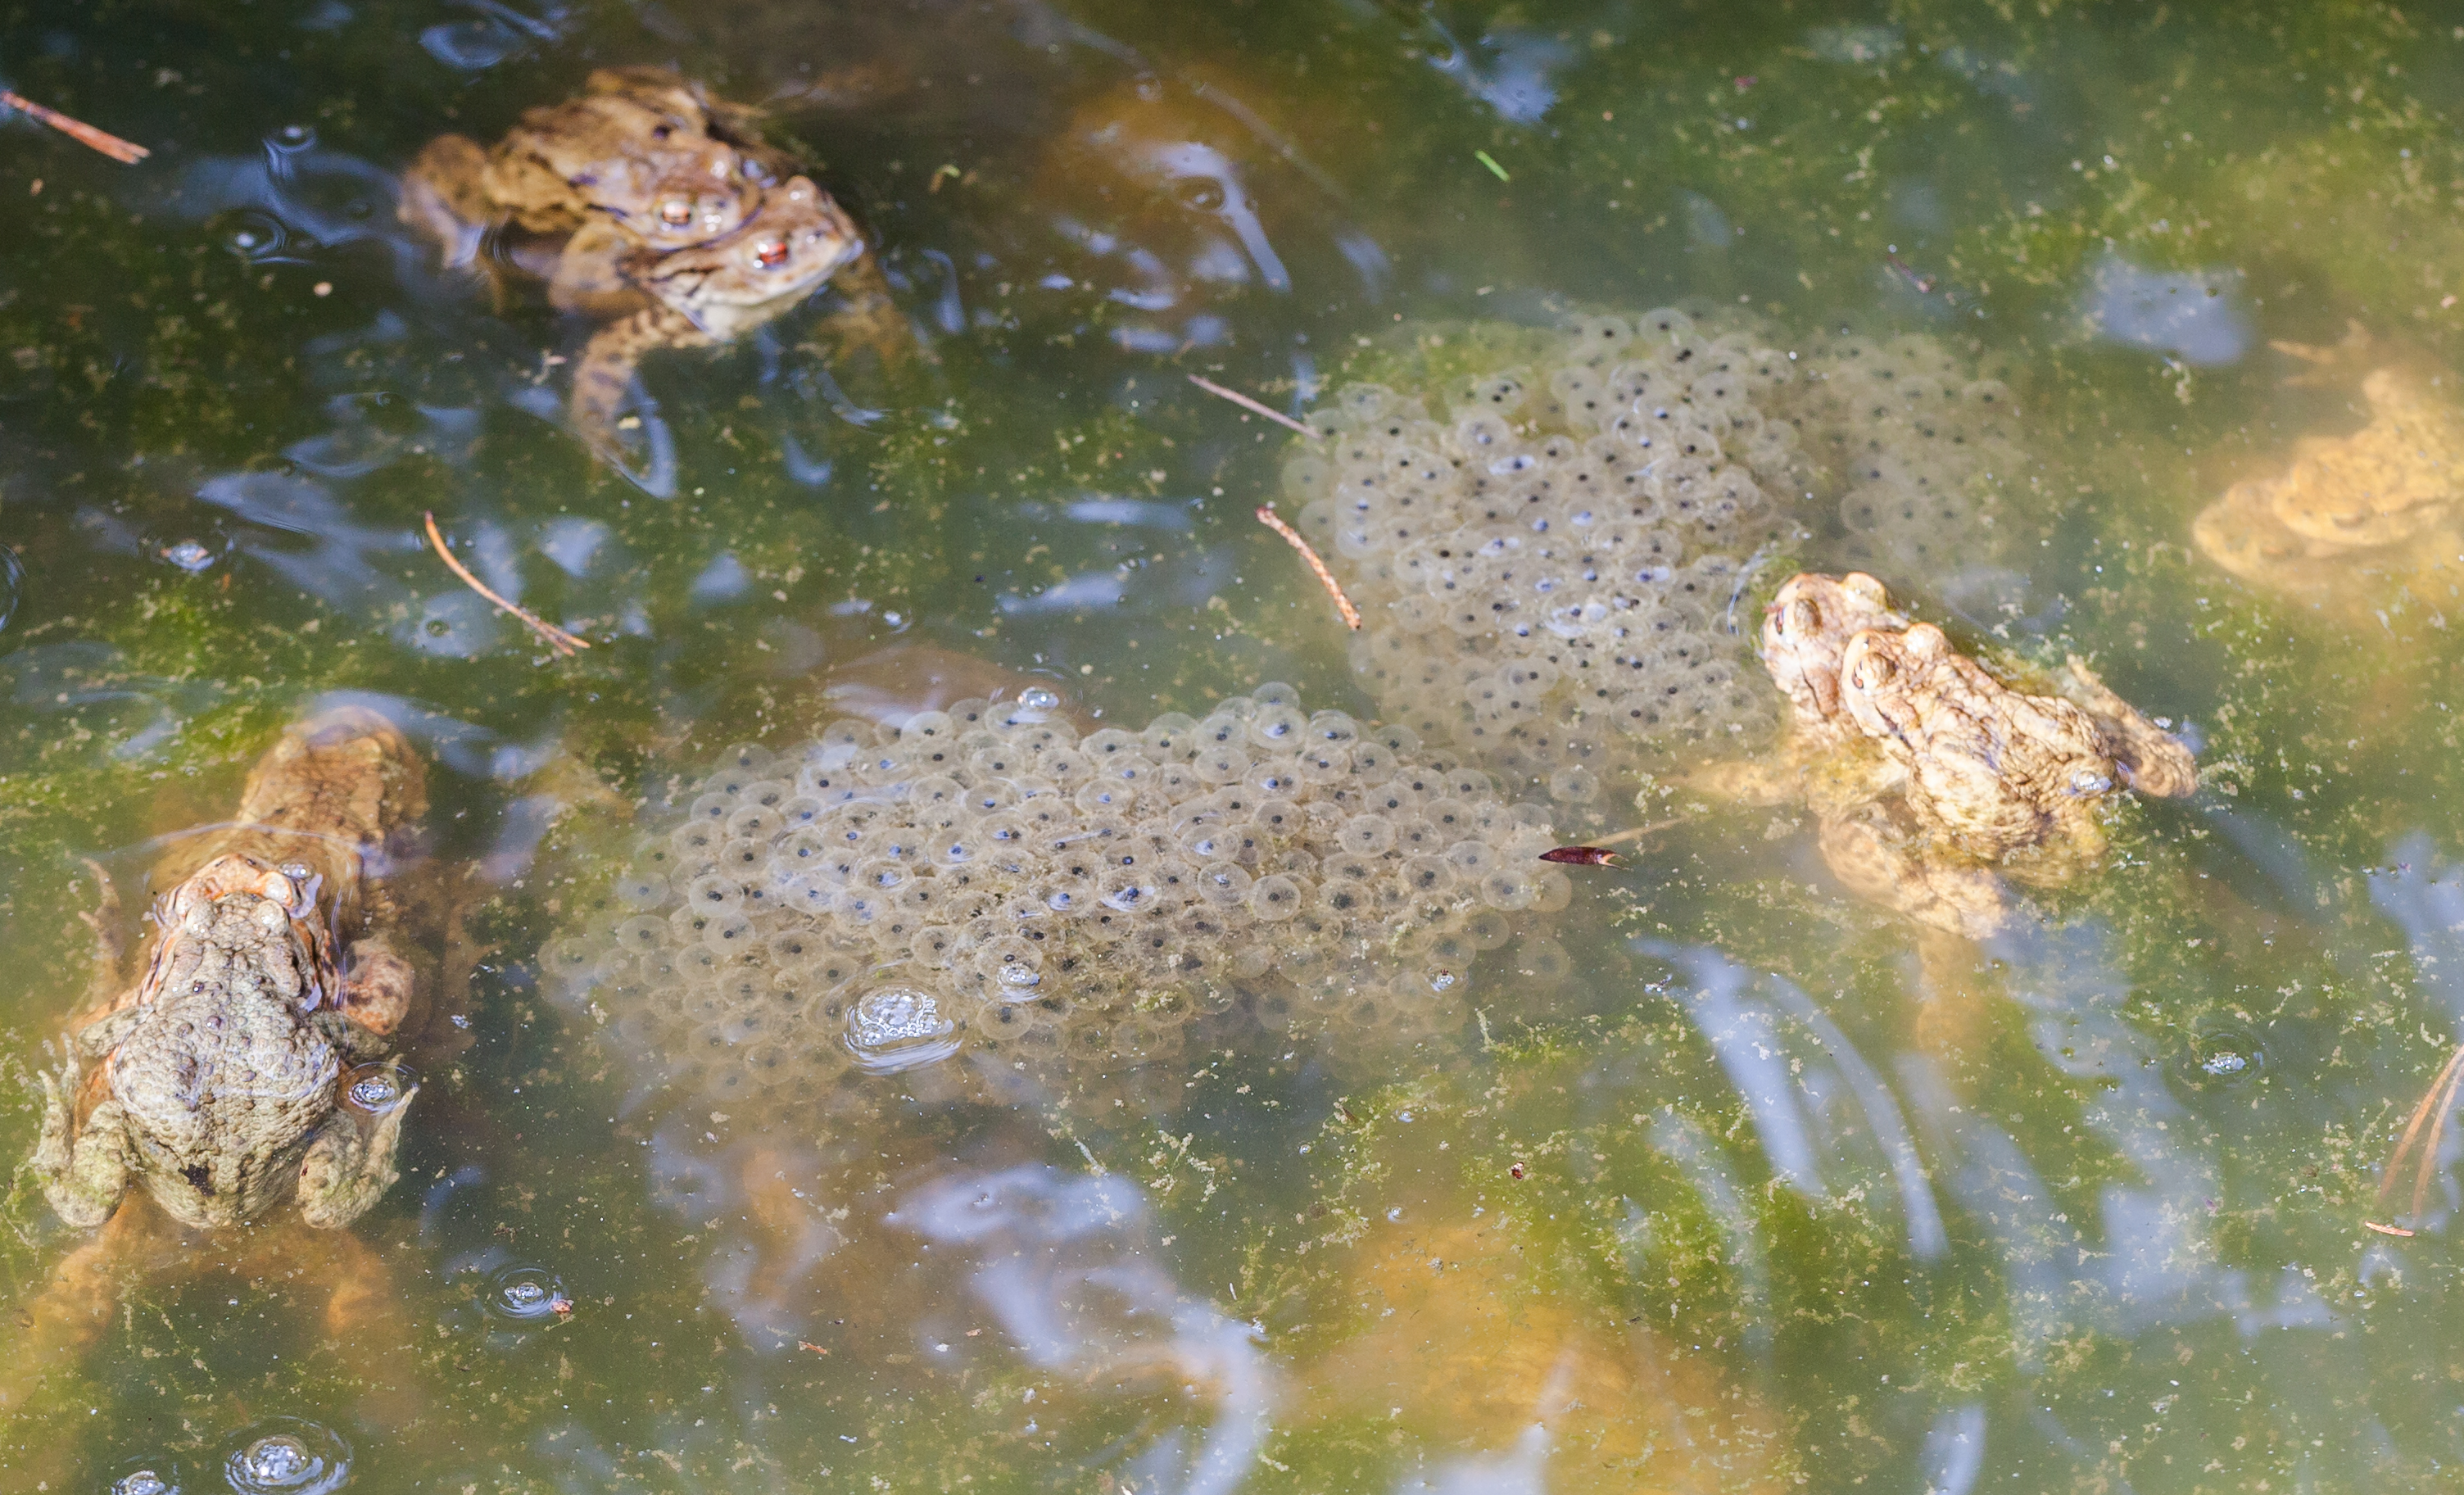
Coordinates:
[604,374]
[346,1170]
[83,1172]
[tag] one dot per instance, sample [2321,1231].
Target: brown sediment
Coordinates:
[558,639]
[1267,516]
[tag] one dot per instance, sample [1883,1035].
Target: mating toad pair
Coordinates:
[1927,774]
[650,207]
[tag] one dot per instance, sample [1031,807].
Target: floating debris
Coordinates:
[1255,408]
[1267,516]
[559,640]
[1581,856]
[125,152]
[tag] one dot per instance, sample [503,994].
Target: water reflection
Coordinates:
[1190,223]
[294,201]
[2041,1191]
[1803,1093]
[1511,70]
[2194,315]
[1063,1265]
[495,33]
[302,532]
[116,712]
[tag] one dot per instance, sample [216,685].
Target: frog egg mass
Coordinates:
[1551,558]
[986,881]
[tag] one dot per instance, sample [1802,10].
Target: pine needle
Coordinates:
[558,639]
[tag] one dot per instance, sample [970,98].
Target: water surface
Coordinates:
[1753,1186]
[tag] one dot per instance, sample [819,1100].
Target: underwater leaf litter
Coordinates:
[2152,894]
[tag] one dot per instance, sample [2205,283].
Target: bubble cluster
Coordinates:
[986,880]
[525,1295]
[288,1455]
[1551,566]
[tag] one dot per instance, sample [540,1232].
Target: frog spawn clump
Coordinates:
[1551,568]
[986,880]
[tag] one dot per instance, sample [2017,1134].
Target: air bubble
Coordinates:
[288,1455]
[373,1089]
[189,554]
[146,1474]
[525,1295]
[896,1028]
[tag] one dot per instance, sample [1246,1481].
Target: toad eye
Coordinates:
[770,253]
[1799,619]
[675,212]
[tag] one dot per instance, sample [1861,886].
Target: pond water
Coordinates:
[1695,1172]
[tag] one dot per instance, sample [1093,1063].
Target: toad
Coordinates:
[715,292]
[642,151]
[251,1069]
[220,1080]
[2383,502]
[650,206]
[1927,774]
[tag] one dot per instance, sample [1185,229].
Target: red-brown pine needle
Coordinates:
[558,639]
[126,152]
[1267,516]
[2428,1126]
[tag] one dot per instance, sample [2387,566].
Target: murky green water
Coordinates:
[1767,1190]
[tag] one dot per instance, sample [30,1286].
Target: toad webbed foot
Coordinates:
[83,1172]
[350,1164]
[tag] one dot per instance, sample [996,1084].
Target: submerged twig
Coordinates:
[1637,833]
[2431,1114]
[1254,408]
[1267,516]
[558,639]
[126,152]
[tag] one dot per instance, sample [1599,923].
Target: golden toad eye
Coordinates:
[770,253]
[675,212]
[1799,619]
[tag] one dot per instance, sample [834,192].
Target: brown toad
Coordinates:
[712,293]
[1925,773]
[649,204]
[642,152]
[220,1086]
[2352,515]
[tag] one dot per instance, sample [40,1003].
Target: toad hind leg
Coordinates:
[380,989]
[867,319]
[83,1172]
[110,944]
[343,1172]
[605,371]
